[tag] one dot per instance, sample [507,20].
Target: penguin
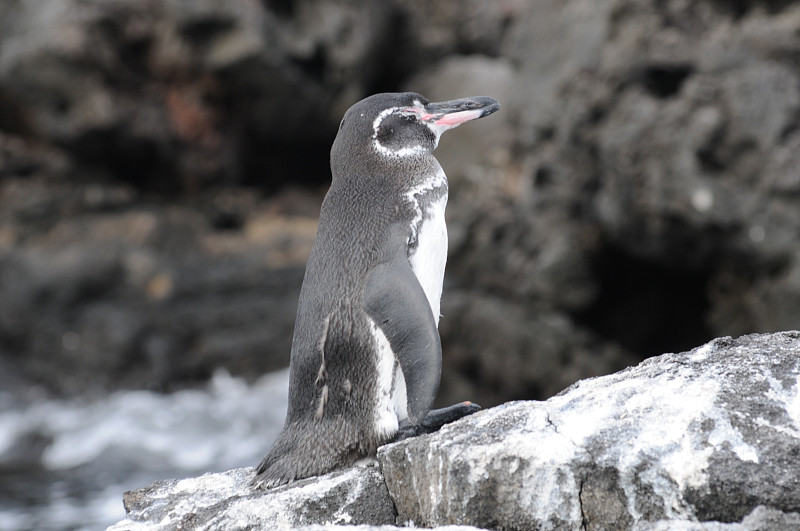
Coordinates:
[366,355]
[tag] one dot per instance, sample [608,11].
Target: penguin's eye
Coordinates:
[402,132]
[407,115]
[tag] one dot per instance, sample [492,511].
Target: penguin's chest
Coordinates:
[427,246]
[427,254]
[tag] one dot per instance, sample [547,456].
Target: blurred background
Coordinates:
[162,163]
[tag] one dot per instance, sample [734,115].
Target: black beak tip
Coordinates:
[489,105]
[484,104]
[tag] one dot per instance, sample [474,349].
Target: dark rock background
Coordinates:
[162,164]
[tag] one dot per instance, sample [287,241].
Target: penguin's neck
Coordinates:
[427,242]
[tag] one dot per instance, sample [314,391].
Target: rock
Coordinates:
[514,351]
[761,518]
[135,296]
[706,435]
[552,42]
[355,499]
[382,528]
[226,501]
[703,440]
[651,141]
[187,94]
[432,31]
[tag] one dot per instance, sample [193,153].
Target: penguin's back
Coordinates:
[337,360]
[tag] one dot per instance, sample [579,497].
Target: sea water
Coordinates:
[64,464]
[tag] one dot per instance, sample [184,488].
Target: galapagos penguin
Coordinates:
[366,355]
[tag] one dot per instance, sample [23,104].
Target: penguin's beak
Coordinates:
[449,114]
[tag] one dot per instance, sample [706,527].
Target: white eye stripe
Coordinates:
[416,110]
[381,116]
[402,152]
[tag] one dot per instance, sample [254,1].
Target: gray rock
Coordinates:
[761,518]
[513,350]
[226,501]
[704,435]
[705,440]
[143,297]
[382,528]
[652,140]
[185,94]
[552,42]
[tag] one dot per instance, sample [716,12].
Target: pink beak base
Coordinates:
[458,118]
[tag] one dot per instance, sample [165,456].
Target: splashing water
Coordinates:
[64,464]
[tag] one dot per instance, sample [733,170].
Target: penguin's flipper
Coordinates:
[395,301]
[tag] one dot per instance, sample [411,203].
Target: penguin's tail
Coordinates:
[273,472]
[303,450]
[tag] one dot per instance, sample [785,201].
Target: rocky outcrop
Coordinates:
[696,441]
[130,294]
[653,179]
[227,501]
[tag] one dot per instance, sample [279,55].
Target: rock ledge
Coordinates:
[706,439]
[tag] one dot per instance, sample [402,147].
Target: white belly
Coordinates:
[391,401]
[430,256]
[427,259]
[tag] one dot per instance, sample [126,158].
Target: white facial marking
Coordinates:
[437,126]
[383,150]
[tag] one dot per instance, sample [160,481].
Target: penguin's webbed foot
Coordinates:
[435,419]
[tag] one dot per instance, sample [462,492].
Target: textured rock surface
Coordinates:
[333,527]
[706,435]
[148,297]
[700,441]
[226,501]
[761,518]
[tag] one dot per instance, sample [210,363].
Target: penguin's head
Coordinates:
[403,124]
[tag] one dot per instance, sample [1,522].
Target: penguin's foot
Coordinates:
[435,419]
